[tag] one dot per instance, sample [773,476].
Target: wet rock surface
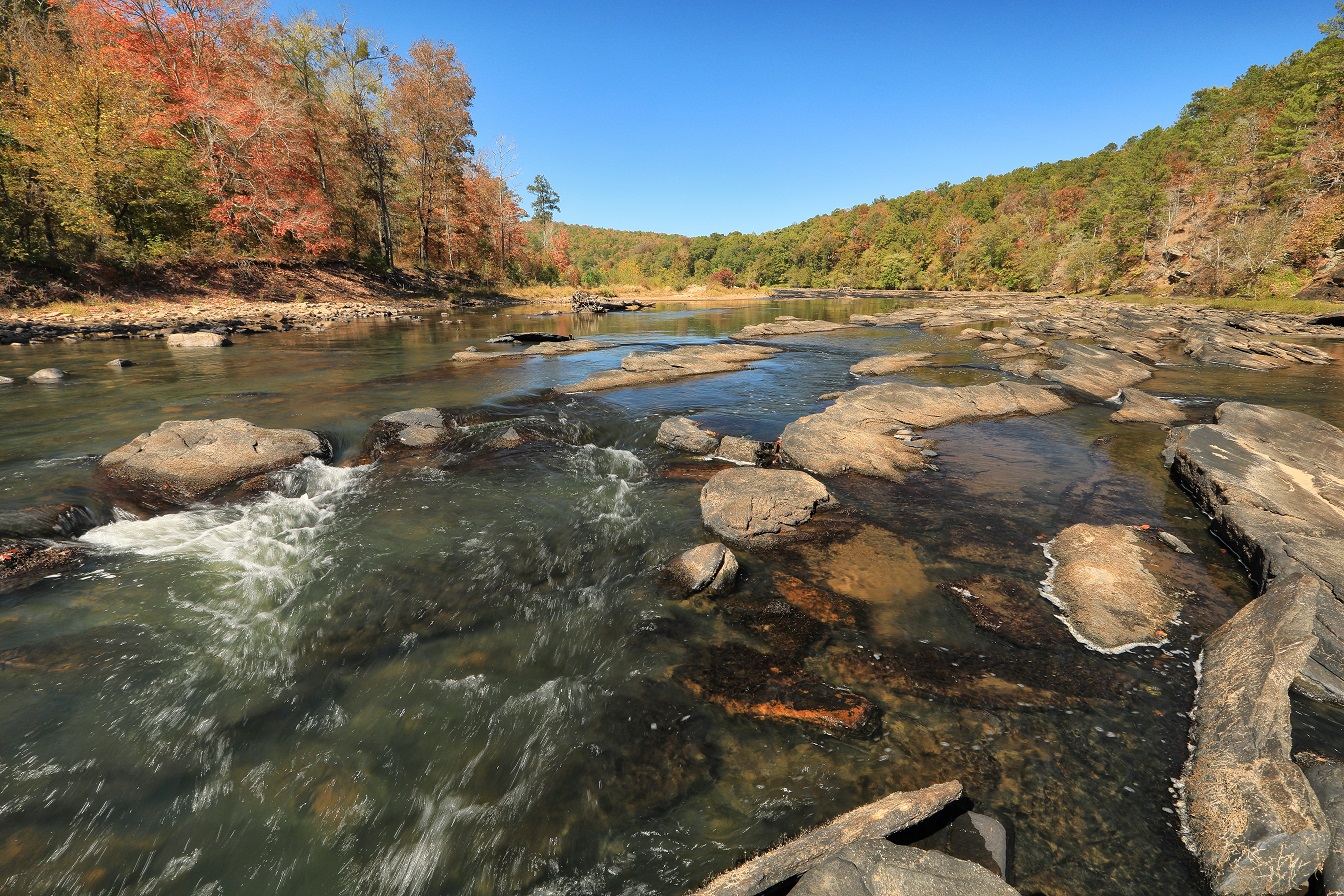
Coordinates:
[1326,777]
[1102,583]
[1094,372]
[760,508]
[855,434]
[708,570]
[743,681]
[746,451]
[879,867]
[1250,816]
[684,434]
[1225,345]
[183,461]
[547,349]
[1271,481]
[1137,406]
[47,521]
[1011,609]
[25,561]
[649,368]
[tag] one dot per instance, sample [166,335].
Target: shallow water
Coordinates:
[457,679]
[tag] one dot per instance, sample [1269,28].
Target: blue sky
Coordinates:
[697,117]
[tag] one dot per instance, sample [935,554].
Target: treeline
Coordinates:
[1245,192]
[136,131]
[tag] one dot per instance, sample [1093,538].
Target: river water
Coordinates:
[458,679]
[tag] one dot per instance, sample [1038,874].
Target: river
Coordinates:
[457,678]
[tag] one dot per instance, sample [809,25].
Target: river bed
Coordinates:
[458,679]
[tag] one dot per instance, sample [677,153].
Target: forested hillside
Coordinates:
[136,132]
[1244,193]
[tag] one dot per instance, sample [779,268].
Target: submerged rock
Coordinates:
[1101,582]
[974,837]
[1094,372]
[684,434]
[708,570]
[1270,479]
[1140,407]
[197,340]
[48,521]
[854,434]
[120,362]
[184,461]
[47,375]
[823,605]
[884,365]
[1011,609]
[744,681]
[879,867]
[648,368]
[25,561]
[1250,817]
[760,508]
[406,432]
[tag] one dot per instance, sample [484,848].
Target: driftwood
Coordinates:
[586,301]
[888,815]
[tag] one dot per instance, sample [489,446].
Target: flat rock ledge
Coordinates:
[708,571]
[541,349]
[184,461]
[854,435]
[1273,482]
[878,867]
[1248,813]
[1101,583]
[1326,777]
[789,326]
[1094,372]
[885,365]
[814,848]
[1137,406]
[650,368]
[760,508]
[684,434]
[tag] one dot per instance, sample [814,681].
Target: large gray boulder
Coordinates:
[1095,372]
[1250,817]
[1101,582]
[878,867]
[184,461]
[854,434]
[758,507]
[708,570]
[684,434]
[1271,481]
[47,375]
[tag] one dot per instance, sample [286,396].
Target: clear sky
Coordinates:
[695,117]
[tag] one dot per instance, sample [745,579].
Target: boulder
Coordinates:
[743,681]
[405,432]
[760,508]
[895,812]
[1023,367]
[746,451]
[648,368]
[121,362]
[788,326]
[885,365]
[184,461]
[878,867]
[1094,372]
[1137,406]
[1326,777]
[1270,479]
[47,521]
[975,837]
[853,435]
[197,340]
[1101,582]
[6,380]
[47,375]
[684,434]
[571,347]
[708,570]
[1249,815]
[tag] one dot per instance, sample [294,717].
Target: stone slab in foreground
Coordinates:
[1250,817]
[886,816]
[1273,481]
[184,461]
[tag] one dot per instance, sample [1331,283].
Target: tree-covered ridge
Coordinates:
[1244,191]
[158,130]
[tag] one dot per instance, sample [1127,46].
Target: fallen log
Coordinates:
[586,301]
[886,816]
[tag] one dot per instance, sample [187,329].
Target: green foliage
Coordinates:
[547,201]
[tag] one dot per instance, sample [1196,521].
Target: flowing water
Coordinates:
[458,678]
